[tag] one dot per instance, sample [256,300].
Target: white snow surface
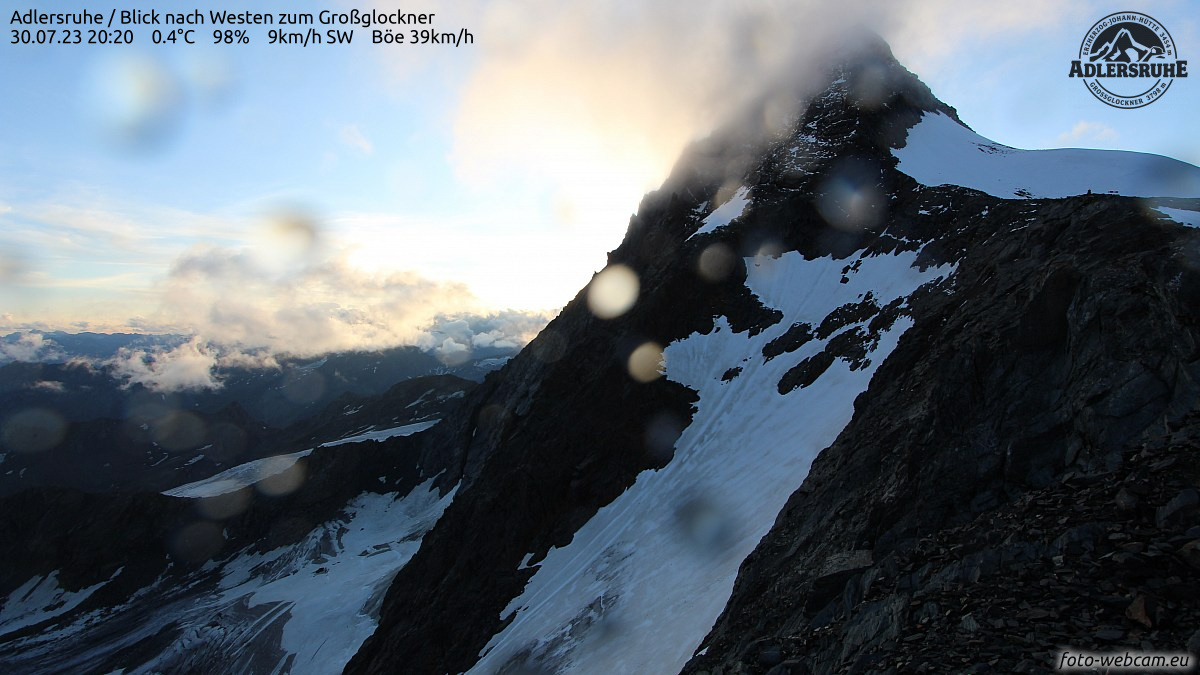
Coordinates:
[383,434]
[332,612]
[940,151]
[39,599]
[245,475]
[302,608]
[642,582]
[238,477]
[725,213]
[1183,216]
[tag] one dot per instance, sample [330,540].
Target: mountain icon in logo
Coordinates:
[1124,48]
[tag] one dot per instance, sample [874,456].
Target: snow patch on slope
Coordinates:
[725,213]
[332,582]
[384,434]
[303,608]
[245,475]
[940,151]
[39,599]
[642,582]
[238,477]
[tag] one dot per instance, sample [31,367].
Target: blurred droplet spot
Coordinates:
[613,291]
[778,114]
[226,505]
[228,442]
[212,78]
[279,476]
[134,102]
[870,87]
[849,198]
[565,212]
[33,430]
[197,542]
[728,189]
[662,431]
[764,255]
[493,415]
[286,239]
[293,230]
[177,431]
[715,263]
[705,527]
[549,346]
[15,267]
[645,364]
[302,387]
[611,625]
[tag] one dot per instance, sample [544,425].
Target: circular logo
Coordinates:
[1128,60]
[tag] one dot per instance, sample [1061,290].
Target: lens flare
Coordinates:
[662,431]
[303,386]
[197,542]
[178,430]
[646,362]
[613,292]
[226,505]
[704,526]
[850,198]
[277,479]
[135,102]
[33,430]
[715,263]
[549,346]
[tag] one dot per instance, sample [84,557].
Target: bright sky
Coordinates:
[278,189]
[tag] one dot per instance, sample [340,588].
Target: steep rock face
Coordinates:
[1004,340]
[1067,344]
[564,430]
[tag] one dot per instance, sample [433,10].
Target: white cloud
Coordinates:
[1084,131]
[596,101]
[188,366]
[29,347]
[242,313]
[49,385]
[312,306]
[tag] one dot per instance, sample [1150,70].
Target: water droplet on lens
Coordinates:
[33,430]
[613,292]
[646,362]
[715,263]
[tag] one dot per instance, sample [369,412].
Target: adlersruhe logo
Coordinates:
[1128,60]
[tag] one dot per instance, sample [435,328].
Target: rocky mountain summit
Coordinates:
[882,396]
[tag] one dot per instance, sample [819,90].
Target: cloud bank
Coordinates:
[597,99]
[247,310]
[188,366]
[29,347]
